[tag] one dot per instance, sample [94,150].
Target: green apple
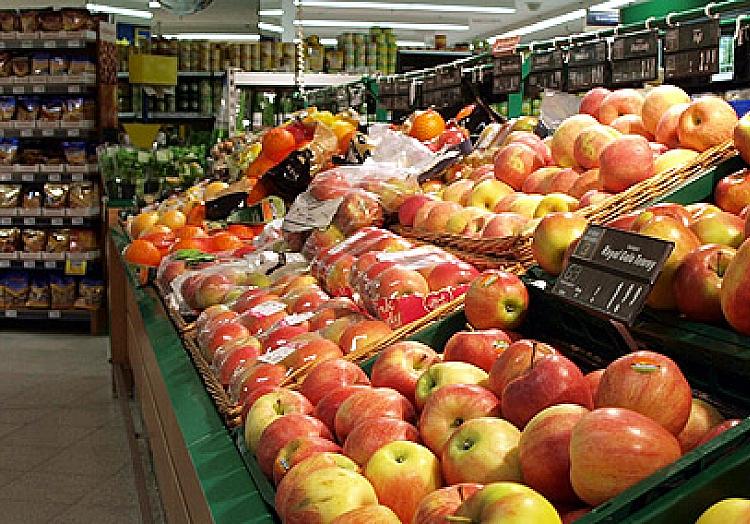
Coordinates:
[506,503]
[555,203]
[721,228]
[403,473]
[443,373]
[726,511]
[552,237]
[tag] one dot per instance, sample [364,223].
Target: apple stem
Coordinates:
[719,270]
[533,354]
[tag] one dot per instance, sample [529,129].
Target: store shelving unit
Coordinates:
[97,47]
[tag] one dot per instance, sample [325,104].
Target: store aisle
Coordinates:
[64,456]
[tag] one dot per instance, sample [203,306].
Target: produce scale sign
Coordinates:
[611,272]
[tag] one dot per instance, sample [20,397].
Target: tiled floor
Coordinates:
[64,456]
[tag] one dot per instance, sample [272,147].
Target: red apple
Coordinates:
[588,181]
[553,236]
[721,228]
[376,514]
[612,449]
[742,137]
[358,209]
[373,433]
[398,281]
[496,300]
[593,197]
[703,417]
[544,451]
[538,181]
[732,193]
[650,384]
[441,374]
[563,141]
[362,335]
[435,507]
[482,450]
[370,403]
[719,429]
[592,101]
[708,122]
[242,354]
[515,162]
[658,101]
[248,398]
[450,275]
[423,214]
[590,143]
[620,102]
[593,379]
[735,290]
[283,430]
[666,131]
[400,365]
[507,502]
[281,335]
[534,142]
[697,283]
[309,348]
[270,407]
[408,210]
[403,473]
[499,225]
[330,375]
[297,450]
[631,125]
[520,356]
[451,406]
[330,185]
[624,162]
[664,209]
[480,348]
[624,222]
[326,408]
[553,379]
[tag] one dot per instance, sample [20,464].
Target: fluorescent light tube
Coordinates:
[154,4]
[124,11]
[387,6]
[270,12]
[270,27]
[611,5]
[543,24]
[356,24]
[410,43]
[232,37]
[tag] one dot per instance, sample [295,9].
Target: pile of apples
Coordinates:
[495,426]
[619,138]
[268,332]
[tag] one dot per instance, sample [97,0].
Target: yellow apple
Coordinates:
[658,101]
[555,203]
[488,193]
[674,158]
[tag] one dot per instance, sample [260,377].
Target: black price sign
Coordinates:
[692,50]
[611,272]
[634,57]
[506,74]
[587,66]
[742,53]
[546,70]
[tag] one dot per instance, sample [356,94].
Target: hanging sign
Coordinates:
[635,58]
[587,66]
[546,70]
[692,50]
[506,74]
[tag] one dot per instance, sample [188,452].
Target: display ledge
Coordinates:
[74,263]
[47,40]
[53,132]
[195,74]
[39,178]
[48,221]
[201,475]
[158,115]
[33,88]
[48,314]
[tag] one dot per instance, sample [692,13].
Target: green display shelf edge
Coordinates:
[230,492]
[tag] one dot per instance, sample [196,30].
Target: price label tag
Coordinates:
[48,132]
[29,264]
[50,44]
[27,44]
[19,90]
[57,221]
[53,314]
[6,221]
[50,264]
[27,177]
[39,89]
[75,267]
[54,177]
[74,43]
[29,221]
[77,221]
[27,133]
[11,313]
[611,272]
[4,264]
[5,177]
[76,177]
[74,132]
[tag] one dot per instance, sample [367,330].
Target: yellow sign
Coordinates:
[75,267]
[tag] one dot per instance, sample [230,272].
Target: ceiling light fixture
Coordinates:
[410,43]
[124,11]
[273,28]
[388,6]
[611,5]
[271,12]
[154,4]
[236,37]
[542,25]
[355,24]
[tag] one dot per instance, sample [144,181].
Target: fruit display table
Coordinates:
[200,474]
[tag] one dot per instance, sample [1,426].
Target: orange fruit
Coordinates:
[201,244]
[196,215]
[142,222]
[259,167]
[225,241]
[143,253]
[278,143]
[173,219]
[427,125]
[190,232]
[241,231]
